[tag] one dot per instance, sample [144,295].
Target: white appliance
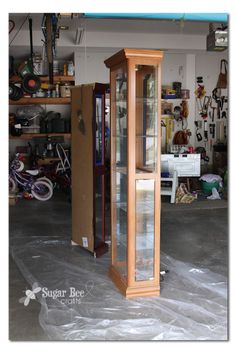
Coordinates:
[187,165]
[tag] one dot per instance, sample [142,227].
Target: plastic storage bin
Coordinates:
[208,186]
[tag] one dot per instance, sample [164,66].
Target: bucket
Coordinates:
[208,186]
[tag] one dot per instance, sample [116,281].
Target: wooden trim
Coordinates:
[121,263]
[115,59]
[143,53]
[141,176]
[117,279]
[31,136]
[136,292]
[151,289]
[112,179]
[158,184]
[133,53]
[131,131]
[58,78]
[39,100]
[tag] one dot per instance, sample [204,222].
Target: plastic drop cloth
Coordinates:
[192,305]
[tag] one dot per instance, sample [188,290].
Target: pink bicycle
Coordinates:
[26,182]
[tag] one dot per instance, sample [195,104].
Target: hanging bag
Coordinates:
[222,79]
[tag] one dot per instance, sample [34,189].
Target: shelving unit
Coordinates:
[173,99]
[31,136]
[59,78]
[42,101]
[39,100]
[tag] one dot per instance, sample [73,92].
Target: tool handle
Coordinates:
[223,66]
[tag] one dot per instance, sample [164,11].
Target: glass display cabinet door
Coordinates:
[119,171]
[146,77]
[135,170]
[99,169]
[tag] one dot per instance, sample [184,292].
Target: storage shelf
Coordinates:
[31,136]
[57,78]
[173,99]
[38,100]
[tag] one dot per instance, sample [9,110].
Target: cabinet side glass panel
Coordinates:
[98,130]
[144,251]
[146,118]
[98,209]
[119,171]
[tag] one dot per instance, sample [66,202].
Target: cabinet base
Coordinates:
[101,249]
[132,292]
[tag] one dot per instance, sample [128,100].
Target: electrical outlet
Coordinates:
[85,242]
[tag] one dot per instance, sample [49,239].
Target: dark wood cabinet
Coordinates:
[88,167]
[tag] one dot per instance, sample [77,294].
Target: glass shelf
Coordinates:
[146,136]
[147,99]
[119,135]
[119,169]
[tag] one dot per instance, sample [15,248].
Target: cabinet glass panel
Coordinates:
[99,130]
[119,160]
[146,118]
[98,209]
[121,222]
[144,230]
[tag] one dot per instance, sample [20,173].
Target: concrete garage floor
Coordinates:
[196,234]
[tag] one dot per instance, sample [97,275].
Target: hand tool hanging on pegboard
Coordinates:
[213,113]
[203,101]
[205,107]
[223,115]
[216,96]
[198,126]
[212,130]
[222,79]
[205,132]
[210,144]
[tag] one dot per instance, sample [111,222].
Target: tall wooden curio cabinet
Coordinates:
[135,85]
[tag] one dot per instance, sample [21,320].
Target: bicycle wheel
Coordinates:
[12,185]
[41,190]
[47,180]
[20,166]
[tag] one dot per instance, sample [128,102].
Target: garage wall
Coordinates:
[90,67]
[183,67]
[93,68]
[185,58]
[208,66]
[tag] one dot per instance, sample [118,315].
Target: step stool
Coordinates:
[171,190]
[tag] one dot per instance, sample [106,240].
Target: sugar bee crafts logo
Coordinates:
[64,296]
[30,294]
